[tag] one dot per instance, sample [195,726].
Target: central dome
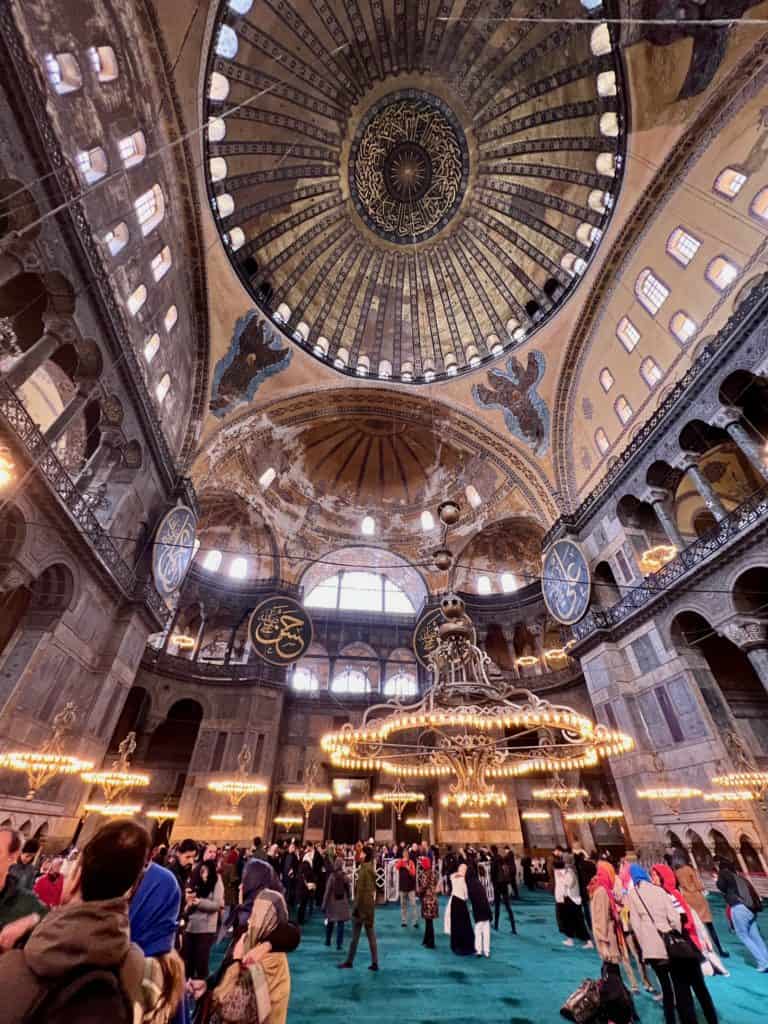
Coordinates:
[405,194]
[408,167]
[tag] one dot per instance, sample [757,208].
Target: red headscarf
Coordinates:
[669,884]
[605,878]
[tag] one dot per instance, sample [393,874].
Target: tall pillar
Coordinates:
[105,451]
[752,637]
[68,413]
[199,637]
[659,500]
[730,419]
[22,368]
[705,488]
[758,658]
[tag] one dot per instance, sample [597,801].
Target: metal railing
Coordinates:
[735,525]
[25,432]
[210,671]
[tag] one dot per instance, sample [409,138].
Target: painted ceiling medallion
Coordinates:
[408,167]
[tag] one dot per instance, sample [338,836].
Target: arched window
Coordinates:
[606,379]
[224,204]
[63,72]
[600,40]
[396,601]
[609,124]
[163,386]
[368,526]
[324,595]
[363,365]
[385,369]
[151,347]
[217,129]
[92,164]
[212,560]
[238,568]
[682,246]
[401,684]
[241,6]
[161,263]
[150,209]
[136,300]
[683,327]
[601,441]
[282,314]
[597,200]
[236,239]
[605,163]
[606,83]
[651,372]
[103,62]
[266,478]
[360,591]
[304,679]
[427,521]
[351,680]
[627,333]
[218,168]
[219,87]
[721,273]
[588,234]
[226,44]
[170,319]
[730,182]
[650,291]
[116,238]
[623,409]
[509,582]
[473,497]
[342,358]
[132,149]
[484,585]
[759,207]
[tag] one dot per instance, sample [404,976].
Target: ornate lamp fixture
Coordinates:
[7,466]
[183,641]
[474,798]
[288,820]
[470,728]
[365,807]
[239,786]
[748,776]
[668,794]
[40,766]
[656,558]
[729,795]
[526,661]
[419,821]
[475,815]
[595,814]
[110,810]
[561,793]
[226,819]
[557,656]
[312,794]
[162,814]
[536,815]
[118,779]
[399,796]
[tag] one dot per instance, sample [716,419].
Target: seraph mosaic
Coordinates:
[514,392]
[256,353]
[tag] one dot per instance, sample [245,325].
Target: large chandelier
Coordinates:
[666,792]
[311,794]
[118,779]
[399,797]
[470,729]
[40,766]
[238,787]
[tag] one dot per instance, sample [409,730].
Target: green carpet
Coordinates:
[525,981]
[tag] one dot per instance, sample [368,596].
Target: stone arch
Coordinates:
[41,832]
[749,592]
[512,544]
[174,739]
[700,851]
[133,715]
[24,301]
[53,591]
[605,588]
[722,845]
[26,828]
[749,848]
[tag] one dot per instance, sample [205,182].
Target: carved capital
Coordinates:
[658,496]
[727,415]
[747,633]
[60,326]
[12,575]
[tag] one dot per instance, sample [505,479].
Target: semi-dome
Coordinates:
[407,194]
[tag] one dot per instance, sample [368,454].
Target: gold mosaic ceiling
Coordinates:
[409,189]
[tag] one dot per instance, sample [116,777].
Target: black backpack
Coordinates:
[747,894]
[88,996]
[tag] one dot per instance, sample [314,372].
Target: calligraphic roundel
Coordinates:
[565,582]
[426,636]
[173,549]
[280,630]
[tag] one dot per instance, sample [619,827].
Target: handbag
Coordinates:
[583,1004]
[677,945]
[235,997]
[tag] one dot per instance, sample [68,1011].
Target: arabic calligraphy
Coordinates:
[426,635]
[566,582]
[280,630]
[174,549]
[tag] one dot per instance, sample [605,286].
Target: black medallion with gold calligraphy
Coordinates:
[280,630]
[408,166]
[173,549]
[566,582]
[426,636]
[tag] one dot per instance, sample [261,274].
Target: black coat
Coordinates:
[481,908]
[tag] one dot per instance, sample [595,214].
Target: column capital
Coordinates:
[726,416]
[63,327]
[688,460]
[746,633]
[658,495]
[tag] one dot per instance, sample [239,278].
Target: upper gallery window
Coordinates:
[132,149]
[92,164]
[170,319]
[606,379]
[683,327]
[682,246]
[730,182]
[601,441]
[759,205]
[63,72]
[401,684]
[722,273]
[304,679]
[623,409]
[161,263]
[351,680]
[116,238]
[651,292]
[103,62]
[136,299]
[651,372]
[150,209]
[627,333]
[163,387]
[361,591]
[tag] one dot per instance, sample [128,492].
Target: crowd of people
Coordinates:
[120,932]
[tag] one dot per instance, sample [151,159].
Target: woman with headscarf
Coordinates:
[457,922]
[687,977]
[427,883]
[336,903]
[621,889]
[203,909]
[690,885]
[652,915]
[153,916]
[568,910]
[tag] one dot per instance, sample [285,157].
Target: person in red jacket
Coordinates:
[406,876]
[50,884]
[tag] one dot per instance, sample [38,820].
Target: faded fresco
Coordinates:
[257,352]
[514,392]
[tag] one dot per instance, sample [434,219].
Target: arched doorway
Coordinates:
[722,847]
[750,857]
[701,853]
[174,739]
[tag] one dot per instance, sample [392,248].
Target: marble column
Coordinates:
[105,452]
[731,421]
[659,500]
[22,368]
[68,413]
[199,638]
[758,658]
[705,489]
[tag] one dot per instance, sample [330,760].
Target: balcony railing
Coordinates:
[738,523]
[28,436]
[255,671]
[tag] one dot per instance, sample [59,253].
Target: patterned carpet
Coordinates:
[525,981]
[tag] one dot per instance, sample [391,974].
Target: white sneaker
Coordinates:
[567,942]
[588,945]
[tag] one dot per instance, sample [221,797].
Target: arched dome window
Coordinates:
[212,560]
[606,83]
[401,684]
[226,44]
[351,680]
[240,6]
[236,239]
[605,163]
[427,520]
[360,591]
[219,87]
[509,582]
[169,322]
[63,72]
[609,124]
[225,204]
[218,168]
[304,679]
[238,568]
[217,129]
[473,496]
[163,387]
[368,526]
[600,40]
[484,585]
